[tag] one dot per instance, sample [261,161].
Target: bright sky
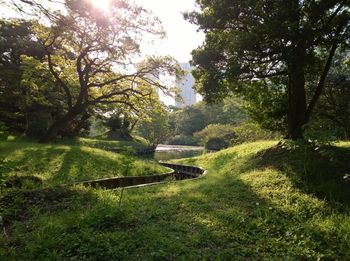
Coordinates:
[182,37]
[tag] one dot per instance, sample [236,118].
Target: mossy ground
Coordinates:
[258,201]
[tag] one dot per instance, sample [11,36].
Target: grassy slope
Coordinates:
[75,161]
[138,145]
[251,205]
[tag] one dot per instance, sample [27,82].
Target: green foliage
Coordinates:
[217,136]
[155,128]
[251,131]
[333,111]
[217,143]
[189,120]
[3,173]
[3,129]
[195,118]
[119,126]
[267,104]
[82,67]
[115,122]
[214,130]
[183,140]
[269,41]
[16,40]
[97,127]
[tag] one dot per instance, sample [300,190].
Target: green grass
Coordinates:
[257,202]
[135,146]
[55,164]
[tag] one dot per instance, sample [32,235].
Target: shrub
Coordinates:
[3,130]
[3,172]
[250,131]
[216,136]
[183,140]
[214,130]
[220,136]
[38,120]
[217,143]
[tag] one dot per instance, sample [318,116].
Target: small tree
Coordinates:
[155,127]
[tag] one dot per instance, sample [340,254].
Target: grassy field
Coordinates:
[66,162]
[258,201]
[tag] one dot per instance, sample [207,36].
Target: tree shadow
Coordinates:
[81,165]
[222,217]
[219,216]
[319,170]
[23,204]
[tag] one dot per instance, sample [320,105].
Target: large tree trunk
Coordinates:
[296,98]
[80,124]
[60,124]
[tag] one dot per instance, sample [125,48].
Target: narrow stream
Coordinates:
[163,153]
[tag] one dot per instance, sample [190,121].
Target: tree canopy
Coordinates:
[91,58]
[263,40]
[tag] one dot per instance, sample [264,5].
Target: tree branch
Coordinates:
[323,77]
[58,79]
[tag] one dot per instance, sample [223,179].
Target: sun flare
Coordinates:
[103,5]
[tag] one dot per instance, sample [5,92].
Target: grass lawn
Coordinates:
[257,202]
[79,160]
[135,146]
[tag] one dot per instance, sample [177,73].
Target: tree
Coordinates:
[155,128]
[250,40]
[92,56]
[189,120]
[196,117]
[16,40]
[334,103]
[120,125]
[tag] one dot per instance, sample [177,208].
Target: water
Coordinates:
[168,152]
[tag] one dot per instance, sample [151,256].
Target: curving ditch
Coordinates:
[176,172]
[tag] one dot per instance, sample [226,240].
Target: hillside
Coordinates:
[72,160]
[258,201]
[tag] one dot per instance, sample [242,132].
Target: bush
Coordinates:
[183,140]
[220,136]
[215,130]
[217,143]
[3,130]
[38,120]
[250,131]
[3,172]
[217,136]
[322,130]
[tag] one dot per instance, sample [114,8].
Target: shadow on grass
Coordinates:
[217,217]
[65,164]
[222,217]
[82,165]
[322,171]
[23,204]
